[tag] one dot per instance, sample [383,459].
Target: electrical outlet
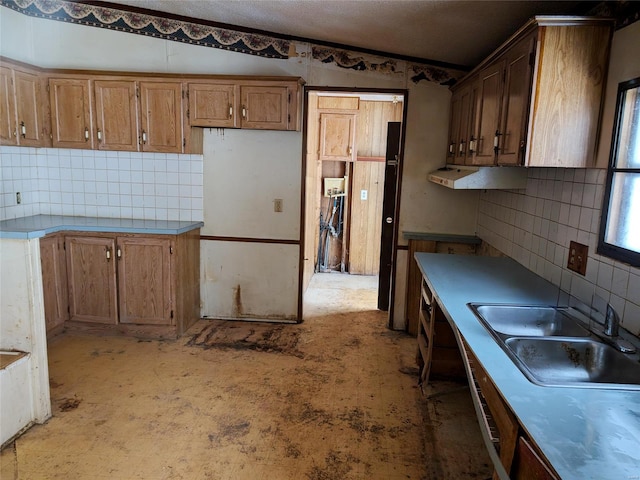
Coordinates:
[578,257]
[277,205]
[363,194]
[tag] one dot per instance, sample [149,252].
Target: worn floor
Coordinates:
[333,398]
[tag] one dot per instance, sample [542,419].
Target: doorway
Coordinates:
[352,159]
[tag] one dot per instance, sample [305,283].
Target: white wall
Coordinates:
[57,44]
[24,387]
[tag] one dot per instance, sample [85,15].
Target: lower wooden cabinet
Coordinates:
[140,285]
[54,281]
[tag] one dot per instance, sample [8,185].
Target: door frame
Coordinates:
[303,191]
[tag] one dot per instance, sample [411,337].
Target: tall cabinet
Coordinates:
[536,100]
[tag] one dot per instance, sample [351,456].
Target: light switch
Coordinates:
[363,194]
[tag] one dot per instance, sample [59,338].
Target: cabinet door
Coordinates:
[71,113]
[488,113]
[144,280]
[454,127]
[264,108]
[161,108]
[212,105]
[54,281]
[337,137]
[515,103]
[8,132]
[462,131]
[91,271]
[28,107]
[116,115]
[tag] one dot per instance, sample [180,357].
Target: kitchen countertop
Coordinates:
[442,237]
[585,433]
[40,225]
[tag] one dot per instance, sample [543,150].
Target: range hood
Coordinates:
[464,177]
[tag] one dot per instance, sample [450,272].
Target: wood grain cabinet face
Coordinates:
[116,115]
[71,113]
[120,279]
[144,280]
[213,105]
[91,271]
[461,138]
[22,121]
[264,107]
[337,137]
[539,97]
[8,121]
[161,117]
[54,281]
[488,113]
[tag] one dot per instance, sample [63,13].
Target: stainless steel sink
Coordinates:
[553,346]
[577,362]
[525,321]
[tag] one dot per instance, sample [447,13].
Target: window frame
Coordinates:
[604,248]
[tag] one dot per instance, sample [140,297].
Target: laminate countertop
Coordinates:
[585,433]
[40,225]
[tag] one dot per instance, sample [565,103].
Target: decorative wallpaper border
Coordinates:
[224,39]
[159,27]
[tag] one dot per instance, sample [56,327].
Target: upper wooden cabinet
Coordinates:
[137,111]
[21,113]
[116,115]
[233,103]
[337,137]
[213,104]
[161,119]
[71,113]
[538,97]
[461,139]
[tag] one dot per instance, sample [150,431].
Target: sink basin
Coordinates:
[573,362]
[529,321]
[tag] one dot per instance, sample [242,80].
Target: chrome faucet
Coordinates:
[611,331]
[611,322]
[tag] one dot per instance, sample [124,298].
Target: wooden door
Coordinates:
[337,137]
[116,115]
[366,217]
[29,109]
[144,280]
[8,132]
[488,113]
[515,103]
[91,271]
[71,112]
[54,281]
[264,107]
[212,105]
[161,105]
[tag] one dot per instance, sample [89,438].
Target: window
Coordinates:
[620,225]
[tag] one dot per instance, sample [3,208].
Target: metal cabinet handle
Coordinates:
[99,135]
[144,137]
[86,134]
[230,111]
[108,254]
[23,130]
[244,112]
[119,253]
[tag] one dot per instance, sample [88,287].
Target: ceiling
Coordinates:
[449,31]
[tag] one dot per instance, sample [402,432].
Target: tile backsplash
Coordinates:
[92,183]
[535,225]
